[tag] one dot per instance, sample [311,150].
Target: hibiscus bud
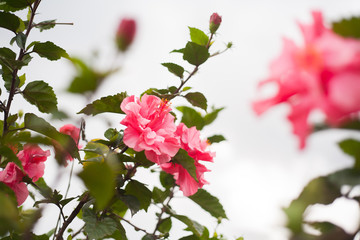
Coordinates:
[125,33]
[215,21]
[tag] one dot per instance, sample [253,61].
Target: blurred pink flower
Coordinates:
[72,131]
[196,148]
[32,158]
[215,21]
[150,127]
[125,33]
[322,74]
[12,176]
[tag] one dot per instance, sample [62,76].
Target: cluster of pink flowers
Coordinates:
[151,128]
[32,158]
[322,74]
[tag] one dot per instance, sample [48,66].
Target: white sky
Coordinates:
[259,169]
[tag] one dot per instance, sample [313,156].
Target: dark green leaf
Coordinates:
[209,203]
[210,117]
[66,201]
[216,139]
[10,157]
[141,158]
[193,226]
[197,99]
[352,148]
[348,177]
[39,125]
[141,192]
[131,202]
[21,40]
[178,50]
[160,196]
[15,5]
[98,228]
[348,27]
[40,94]
[195,54]
[187,162]
[190,237]
[175,69]
[166,180]
[10,21]
[105,104]
[191,117]
[99,179]
[45,25]
[148,237]
[165,225]
[199,37]
[49,50]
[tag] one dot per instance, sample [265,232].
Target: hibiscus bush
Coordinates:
[150,136]
[321,74]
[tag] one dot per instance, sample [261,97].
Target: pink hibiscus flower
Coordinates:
[12,176]
[322,74]
[32,158]
[196,148]
[150,127]
[73,132]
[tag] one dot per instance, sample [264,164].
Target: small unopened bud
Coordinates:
[215,21]
[125,33]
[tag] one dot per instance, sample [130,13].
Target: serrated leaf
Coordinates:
[9,21]
[187,162]
[175,69]
[165,225]
[49,50]
[99,178]
[210,117]
[195,54]
[105,104]
[216,139]
[37,124]
[197,99]
[40,94]
[348,27]
[191,117]
[98,228]
[141,192]
[193,226]
[45,25]
[209,203]
[199,37]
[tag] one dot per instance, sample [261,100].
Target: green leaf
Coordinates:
[348,27]
[190,237]
[45,25]
[199,37]
[39,125]
[10,157]
[216,139]
[197,99]
[165,225]
[166,180]
[191,117]
[7,60]
[210,117]
[209,203]
[49,50]
[98,228]
[352,148]
[141,192]
[148,237]
[15,5]
[131,202]
[105,104]
[99,179]
[195,54]
[160,196]
[21,40]
[141,158]
[175,69]
[187,162]
[40,94]
[193,226]
[178,50]
[10,21]
[348,177]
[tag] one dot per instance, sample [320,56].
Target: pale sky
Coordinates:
[259,169]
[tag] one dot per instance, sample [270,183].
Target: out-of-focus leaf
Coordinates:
[105,104]
[99,179]
[10,157]
[49,50]
[199,37]
[210,117]
[195,54]
[348,27]
[352,148]
[40,94]
[209,203]
[197,99]
[98,228]
[216,139]
[141,192]
[175,69]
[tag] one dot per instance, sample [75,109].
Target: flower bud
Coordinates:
[215,21]
[125,33]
